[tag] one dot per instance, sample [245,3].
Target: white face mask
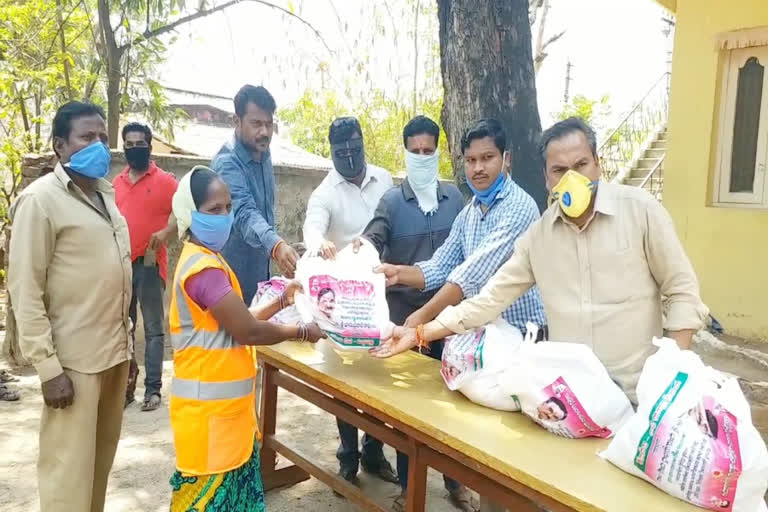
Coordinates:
[421,169]
[422,176]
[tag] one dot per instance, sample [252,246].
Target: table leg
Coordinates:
[417,480]
[268,419]
[272,477]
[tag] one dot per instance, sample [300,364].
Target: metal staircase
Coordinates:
[633,152]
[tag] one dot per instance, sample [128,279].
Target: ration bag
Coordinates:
[692,435]
[566,389]
[345,297]
[268,291]
[473,363]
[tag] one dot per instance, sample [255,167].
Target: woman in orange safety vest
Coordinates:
[212,394]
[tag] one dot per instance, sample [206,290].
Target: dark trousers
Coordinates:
[148,290]
[435,352]
[348,454]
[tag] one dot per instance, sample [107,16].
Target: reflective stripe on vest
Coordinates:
[189,337]
[196,390]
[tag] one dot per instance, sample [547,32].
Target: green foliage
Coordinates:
[32,78]
[381,118]
[593,112]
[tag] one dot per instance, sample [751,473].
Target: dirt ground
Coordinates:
[145,458]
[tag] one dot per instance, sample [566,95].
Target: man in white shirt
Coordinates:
[337,213]
[344,203]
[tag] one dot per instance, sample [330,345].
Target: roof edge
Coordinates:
[670,5]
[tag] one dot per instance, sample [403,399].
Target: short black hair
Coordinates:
[257,95]
[560,404]
[419,125]
[342,129]
[138,127]
[201,179]
[566,127]
[482,129]
[68,112]
[325,291]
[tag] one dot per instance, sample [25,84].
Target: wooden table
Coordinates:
[403,402]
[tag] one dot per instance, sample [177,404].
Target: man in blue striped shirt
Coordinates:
[482,238]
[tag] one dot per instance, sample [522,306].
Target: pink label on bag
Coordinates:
[696,455]
[462,356]
[561,413]
[347,309]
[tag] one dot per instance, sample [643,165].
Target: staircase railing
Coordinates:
[654,180]
[625,143]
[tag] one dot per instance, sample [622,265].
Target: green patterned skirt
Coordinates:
[239,490]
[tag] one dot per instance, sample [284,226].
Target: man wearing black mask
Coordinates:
[143,193]
[337,212]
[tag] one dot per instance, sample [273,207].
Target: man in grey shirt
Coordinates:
[410,223]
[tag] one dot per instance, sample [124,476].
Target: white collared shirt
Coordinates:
[338,210]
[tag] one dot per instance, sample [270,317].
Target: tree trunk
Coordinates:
[11,350]
[487,68]
[114,54]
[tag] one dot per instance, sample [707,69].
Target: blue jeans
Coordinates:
[148,290]
[435,352]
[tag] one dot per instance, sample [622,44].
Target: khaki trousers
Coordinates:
[78,444]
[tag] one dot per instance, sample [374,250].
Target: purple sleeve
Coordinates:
[208,287]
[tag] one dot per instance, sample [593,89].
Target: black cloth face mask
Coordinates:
[138,158]
[349,158]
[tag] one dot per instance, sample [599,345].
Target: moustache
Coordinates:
[262,140]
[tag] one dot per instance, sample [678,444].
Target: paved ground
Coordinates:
[145,458]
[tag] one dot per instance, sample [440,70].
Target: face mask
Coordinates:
[488,196]
[349,158]
[138,158]
[212,230]
[92,161]
[422,177]
[574,193]
[421,169]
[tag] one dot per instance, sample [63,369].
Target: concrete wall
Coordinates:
[728,246]
[294,186]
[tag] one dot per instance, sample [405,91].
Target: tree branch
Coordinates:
[149,34]
[552,40]
[106,27]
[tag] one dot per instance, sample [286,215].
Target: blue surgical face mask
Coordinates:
[488,195]
[212,230]
[92,161]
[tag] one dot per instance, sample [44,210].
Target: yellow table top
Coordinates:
[409,387]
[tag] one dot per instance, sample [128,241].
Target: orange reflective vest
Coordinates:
[212,405]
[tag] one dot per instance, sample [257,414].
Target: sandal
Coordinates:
[399,504]
[151,403]
[5,377]
[8,395]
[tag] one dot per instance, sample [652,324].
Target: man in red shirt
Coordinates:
[143,193]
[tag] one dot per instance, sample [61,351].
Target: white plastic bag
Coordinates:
[566,389]
[473,363]
[345,297]
[692,435]
[268,291]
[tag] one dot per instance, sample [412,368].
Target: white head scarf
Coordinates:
[183,203]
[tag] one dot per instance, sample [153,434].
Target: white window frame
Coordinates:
[735,59]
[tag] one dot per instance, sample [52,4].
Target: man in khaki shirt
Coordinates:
[612,277]
[69,279]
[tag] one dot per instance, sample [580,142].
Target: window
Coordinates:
[743,138]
